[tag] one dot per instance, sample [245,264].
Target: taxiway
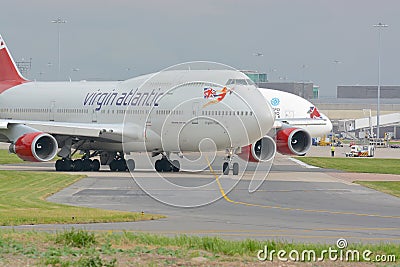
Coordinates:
[295,203]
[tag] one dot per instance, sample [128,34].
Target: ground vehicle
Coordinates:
[361,151]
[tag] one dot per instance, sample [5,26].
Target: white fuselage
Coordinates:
[165,111]
[297,112]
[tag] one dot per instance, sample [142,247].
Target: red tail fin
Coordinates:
[9,74]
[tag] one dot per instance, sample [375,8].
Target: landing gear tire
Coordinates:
[113,166]
[235,169]
[77,165]
[225,168]
[95,165]
[158,165]
[164,165]
[176,166]
[130,164]
[59,165]
[118,165]
[64,165]
[86,165]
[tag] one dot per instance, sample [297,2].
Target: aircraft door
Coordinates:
[148,117]
[52,110]
[195,114]
[148,124]
[289,114]
[94,115]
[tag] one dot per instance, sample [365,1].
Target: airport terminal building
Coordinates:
[355,107]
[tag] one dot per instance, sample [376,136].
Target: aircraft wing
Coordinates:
[299,122]
[112,132]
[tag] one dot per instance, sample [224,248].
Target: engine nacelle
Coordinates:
[262,150]
[36,147]
[293,141]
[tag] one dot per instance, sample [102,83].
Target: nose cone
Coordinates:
[328,123]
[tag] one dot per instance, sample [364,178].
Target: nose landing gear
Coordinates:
[228,165]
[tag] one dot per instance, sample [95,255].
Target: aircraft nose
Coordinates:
[329,125]
[264,116]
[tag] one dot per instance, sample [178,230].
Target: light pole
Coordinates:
[59,21]
[379,26]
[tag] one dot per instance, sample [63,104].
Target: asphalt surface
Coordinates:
[295,203]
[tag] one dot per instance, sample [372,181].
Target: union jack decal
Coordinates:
[314,113]
[209,92]
[216,96]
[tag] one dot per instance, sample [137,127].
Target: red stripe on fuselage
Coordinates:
[5,85]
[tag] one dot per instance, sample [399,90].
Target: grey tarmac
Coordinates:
[295,203]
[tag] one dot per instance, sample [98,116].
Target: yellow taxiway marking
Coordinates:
[224,195]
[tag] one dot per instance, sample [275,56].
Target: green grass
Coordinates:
[389,187]
[76,238]
[22,201]
[8,158]
[140,249]
[246,247]
[366,165]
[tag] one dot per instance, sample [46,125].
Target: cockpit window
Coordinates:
[250,82]
[239,82]
[230,81]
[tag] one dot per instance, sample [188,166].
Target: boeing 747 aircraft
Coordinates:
[298,118]
[296,111]
[168,112]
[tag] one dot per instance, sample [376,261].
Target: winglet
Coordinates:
[9,73]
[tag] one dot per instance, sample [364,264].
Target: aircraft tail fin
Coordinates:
[9,72]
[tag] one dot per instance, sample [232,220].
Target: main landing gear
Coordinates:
[119,164]
[67,164]
[115,160]
[77,165]
[228,165]
[165,165]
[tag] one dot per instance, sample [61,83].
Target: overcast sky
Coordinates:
[119,39]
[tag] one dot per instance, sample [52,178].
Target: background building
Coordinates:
[306,90]
[355,108]
[256,76]
[367,91]
[303,89]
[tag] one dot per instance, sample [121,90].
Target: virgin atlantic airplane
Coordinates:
[171,111]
